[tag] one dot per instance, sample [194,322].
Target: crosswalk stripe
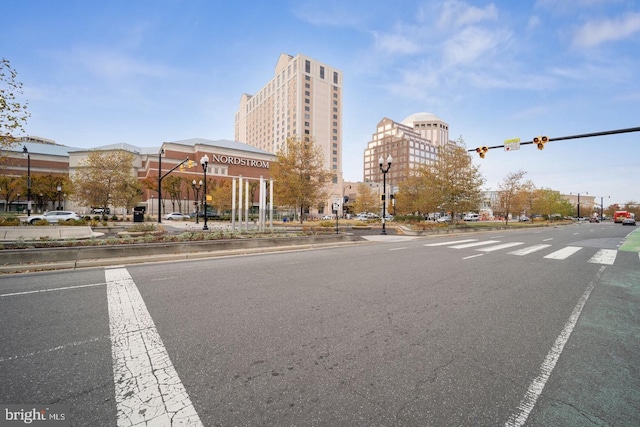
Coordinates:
[563,253]
[528,250]
[502,246]
[604,256]
[451,243]
[148,390]
[471,245]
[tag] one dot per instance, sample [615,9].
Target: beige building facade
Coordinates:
[304,100]
[411,143]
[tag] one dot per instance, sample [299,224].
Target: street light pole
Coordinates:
[586,192]
[384,188]
[160,185]
[204,161]
[196,189]
[59,199]
[26,152]
[602,206]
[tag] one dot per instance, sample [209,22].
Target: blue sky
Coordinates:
[147,71]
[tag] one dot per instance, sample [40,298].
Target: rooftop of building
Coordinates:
[50,148]
[421,117]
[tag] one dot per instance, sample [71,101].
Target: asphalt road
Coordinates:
[534,327]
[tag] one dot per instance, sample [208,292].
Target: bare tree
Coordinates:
[13,113]
[104,178]
[452,183]
[508,191]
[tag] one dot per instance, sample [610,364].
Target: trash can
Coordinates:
[138,216]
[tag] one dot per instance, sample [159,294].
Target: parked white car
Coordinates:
[53,217]
[177,215]
[471,217]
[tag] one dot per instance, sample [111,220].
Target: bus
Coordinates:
[618,216]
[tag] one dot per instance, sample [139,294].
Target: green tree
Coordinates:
[300,180]
[551,203]
[13,113]
[104,178]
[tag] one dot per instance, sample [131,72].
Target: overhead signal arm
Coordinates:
[540,141]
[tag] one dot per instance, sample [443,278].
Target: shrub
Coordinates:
[9,221]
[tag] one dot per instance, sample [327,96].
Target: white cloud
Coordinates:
[594,33]
[472,44]
[396,43]
[458,14]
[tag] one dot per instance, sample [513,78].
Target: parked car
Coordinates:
[326,217]
[445,218]
[176,215]
[629,221]
[106,211]
[53,217]
[523,218]
[362,217]
[471,217]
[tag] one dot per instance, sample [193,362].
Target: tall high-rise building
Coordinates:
[411,143]
[303,100]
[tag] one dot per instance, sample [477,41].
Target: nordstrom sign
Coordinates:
[240,161]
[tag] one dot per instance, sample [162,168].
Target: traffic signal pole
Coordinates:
[160,178]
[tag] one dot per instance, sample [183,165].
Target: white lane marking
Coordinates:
[530,398]
[502,246]
[471,245]
[397,249]
[451,243]
[604,256]
[547,240]
[148,389]
[528,250]
[473,256]
[52,289]
[563,253]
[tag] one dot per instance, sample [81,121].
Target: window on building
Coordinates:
[307,93]
[322,72]
[335,77]
[307,66]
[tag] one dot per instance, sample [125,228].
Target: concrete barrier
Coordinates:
[40,259]
[49,232]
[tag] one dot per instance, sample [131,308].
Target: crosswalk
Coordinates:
[601,256]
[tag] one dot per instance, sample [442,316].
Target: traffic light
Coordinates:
[182,167]
[540,141]
[192,164]
[482,151]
